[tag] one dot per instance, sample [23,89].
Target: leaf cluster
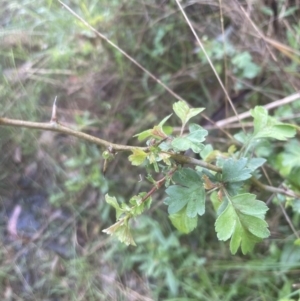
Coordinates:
[240,216]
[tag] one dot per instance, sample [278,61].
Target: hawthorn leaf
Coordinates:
[143,135]
[181,144]
[181,109]
[281,131]
[138,206]
[260,116]
[255,163]
[240,237]
[114,203]
[189,191]
[268,127]
[197,133]
[176,199]
[246,203]
[233,188]
[291,156]
[235,170]
[206,151]
[193,112]
[159,131]
[192,140]
[121,231]
[182,222]
[243,222]
[138,157]
[184,112]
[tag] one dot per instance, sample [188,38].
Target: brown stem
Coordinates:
[57,127]
[157,185]
[283,191]
[182,159]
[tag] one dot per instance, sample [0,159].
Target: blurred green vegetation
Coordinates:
[46,52]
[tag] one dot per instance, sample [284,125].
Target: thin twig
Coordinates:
[287,218]
[283,191]
[57,127]
[181,159]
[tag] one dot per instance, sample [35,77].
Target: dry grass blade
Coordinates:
[209,61]
[121,51]
[269,106]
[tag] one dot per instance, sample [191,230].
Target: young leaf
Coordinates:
[138,206]
[159,131]
[291,156]
[254,163]
[197,133]
[188,191]
[138,157]
[192,140]
[121,231]
[235,170]
[268,127]
[260,115]
[184,112]
[143,135]
[182,222]
[181,144]
[114,203]
[243,222]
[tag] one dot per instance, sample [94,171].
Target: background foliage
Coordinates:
[57,182]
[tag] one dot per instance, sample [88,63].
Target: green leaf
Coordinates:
[189,192]
[268,127]
[114,203]
[297,242]
[138,157]
[291,156]
[260,115]
[255,163]
[143,135]
[206,151]
[181,144]
[243,61]
[182,222]
[294,177]
[138,206]
[197,133]
[246,203]
[121,231]
[184,112]
[243,222]
[192,140]
[235,170]
[159,131]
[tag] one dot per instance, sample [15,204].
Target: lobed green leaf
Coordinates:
[243,222]
[138,157]
[159,131]
[182,222]
[268,127]
[189,192]
[192,140]
[114,203]
[235,170]
[184,112]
